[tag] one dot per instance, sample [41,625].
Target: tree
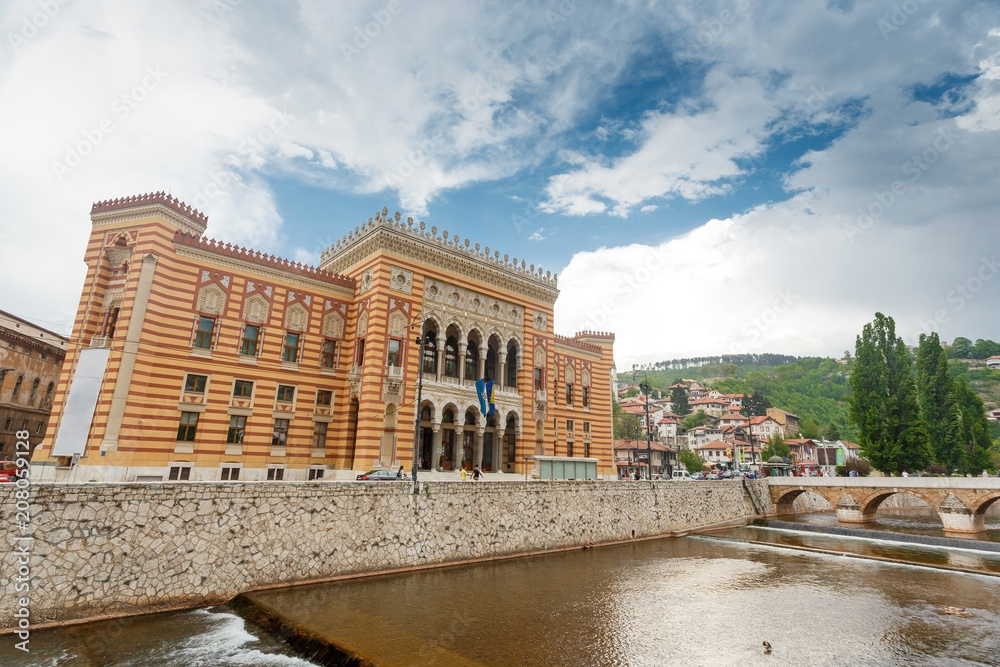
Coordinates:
[833,433]
[679,401]
[974,429]
[699,418]
[984,349]
[961,348]
[625,424]
[809,429]
[936,394]
[776,446]
[691,461]
[854,463]
[883,401]
[756,404]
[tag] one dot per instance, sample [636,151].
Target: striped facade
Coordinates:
[217,362]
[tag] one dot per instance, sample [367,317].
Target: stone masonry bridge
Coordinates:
[961,502]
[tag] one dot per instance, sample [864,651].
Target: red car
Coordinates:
[8,471]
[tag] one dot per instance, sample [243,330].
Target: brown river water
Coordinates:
[699,600]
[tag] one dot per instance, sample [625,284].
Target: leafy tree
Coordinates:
[699,418]
[691,461]
[936,393]
[984,349]
[809,428]
[679,403]
[883,403]
[961,348]
[854,463]
[833,433]
[756,404]
[625,424]
[776,446]
[974,429]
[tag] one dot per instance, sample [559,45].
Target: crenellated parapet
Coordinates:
[262,259]
[392,233]
[124,209]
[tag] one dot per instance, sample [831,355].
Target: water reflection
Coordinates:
[680,601]
[911,520]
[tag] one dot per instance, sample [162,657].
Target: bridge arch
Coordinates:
[869,504]
[784,502]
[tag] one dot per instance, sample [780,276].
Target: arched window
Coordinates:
[491,363]
[34,389]
[511,379]
[451,357]
[472,361]
[430,353]
[17,386]
[48,391]
[425,413]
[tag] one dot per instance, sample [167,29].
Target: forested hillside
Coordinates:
[814,388]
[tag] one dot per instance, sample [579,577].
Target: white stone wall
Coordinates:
[129,548]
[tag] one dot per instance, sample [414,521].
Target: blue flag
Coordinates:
[484,389]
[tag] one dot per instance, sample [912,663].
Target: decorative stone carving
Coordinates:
[255,308]
[541,321]
[585,378]
[296,317]
[211,299]
[539,357]
[402,280]
[367,280]
[333,325]
[570,374]
[397,324]
[363,324]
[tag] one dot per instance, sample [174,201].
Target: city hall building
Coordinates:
[193,359]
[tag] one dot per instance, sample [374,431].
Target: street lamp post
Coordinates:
[644,388]
[420,340]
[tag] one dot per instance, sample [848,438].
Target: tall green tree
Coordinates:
[756,404]
[776,446]
[960,348]
[832,433]
[699,418]
[679,403]
[691,461]
[936,394]
[624,424]
[974,431]
[883,401]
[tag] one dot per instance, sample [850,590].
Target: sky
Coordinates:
[704,177]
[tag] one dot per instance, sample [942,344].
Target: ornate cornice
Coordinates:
[125,210]
[246,262]
[450,255]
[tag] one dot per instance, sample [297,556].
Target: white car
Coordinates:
[681,476]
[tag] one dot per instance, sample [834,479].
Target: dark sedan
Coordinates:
[378,476]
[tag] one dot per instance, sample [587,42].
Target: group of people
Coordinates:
[477,474]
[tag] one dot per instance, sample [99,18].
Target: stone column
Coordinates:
[461,362]
[457,448]
[127,365]
[482,366]
[501,371]
[439,368]
[436,446]
[477,451]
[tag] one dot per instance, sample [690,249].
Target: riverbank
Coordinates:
[114,550]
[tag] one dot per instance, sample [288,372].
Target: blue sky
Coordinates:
[705,177]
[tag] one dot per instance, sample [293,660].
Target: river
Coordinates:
[699,600]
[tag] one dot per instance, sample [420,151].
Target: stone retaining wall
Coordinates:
[132,548]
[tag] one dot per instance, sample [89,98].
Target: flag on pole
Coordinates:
[484,388]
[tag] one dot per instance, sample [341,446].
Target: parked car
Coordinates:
[8,471]
[698,475]
[378,476]
[681,476]
[711,475]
